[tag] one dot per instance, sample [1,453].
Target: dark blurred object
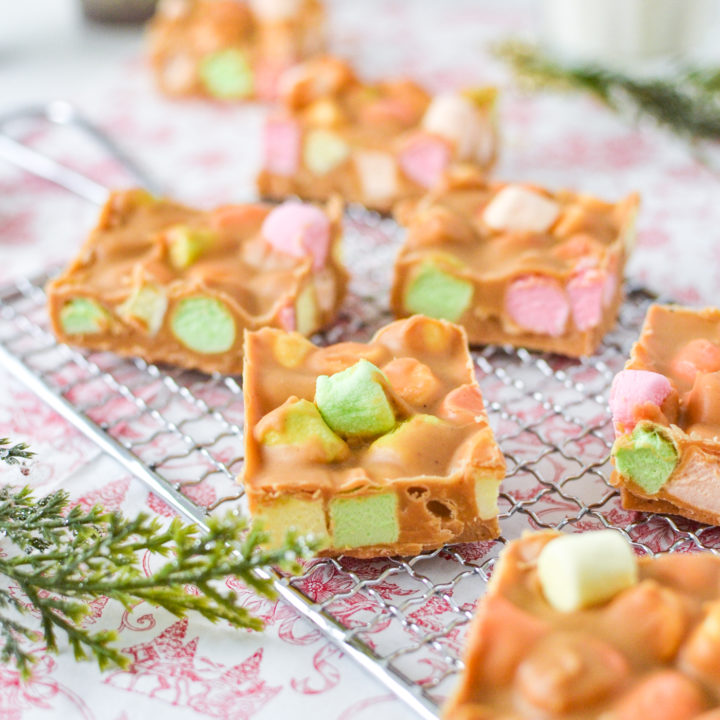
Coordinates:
[118,11]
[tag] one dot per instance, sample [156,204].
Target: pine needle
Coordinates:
[13,455]
[63,559]
[687,102]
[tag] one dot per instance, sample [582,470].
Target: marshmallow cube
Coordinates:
[299,229]
[424,159]
[354,402]
[647,457]
[281,145]
[438,293]
[580,570]
[631,389]
[297,422]
[516,208]
[538,304]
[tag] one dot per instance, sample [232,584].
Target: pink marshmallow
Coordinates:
[585,291]
[299,229]
[267,79]
[632,388]
[286,318]
[537,304]
[610,288]
[281,140]
[424,158]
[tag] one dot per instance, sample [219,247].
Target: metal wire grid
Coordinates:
[402,619]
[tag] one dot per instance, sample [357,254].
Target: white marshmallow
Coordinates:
[517,208]
[275,10]
[457,119]
[378,174]
[580,570]
[179,73]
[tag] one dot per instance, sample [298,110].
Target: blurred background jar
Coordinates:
[624,32]
[118,11]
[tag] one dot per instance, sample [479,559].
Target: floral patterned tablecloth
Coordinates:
[206,154]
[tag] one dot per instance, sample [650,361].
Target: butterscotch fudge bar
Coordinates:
[172,284]
[666,411]
[230,49]
[377,449]
[515,263]
[373,143]
[574,627]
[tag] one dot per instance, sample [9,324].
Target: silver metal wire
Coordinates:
[63,114]
[402,619]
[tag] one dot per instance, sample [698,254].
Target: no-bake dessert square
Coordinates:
[231,49]
[575,627]
[173,284]
[375,449]
[514,263]
[666,412]
[373,143]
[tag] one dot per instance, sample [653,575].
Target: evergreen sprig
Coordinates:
[13,455]
[63,559]
[687,102]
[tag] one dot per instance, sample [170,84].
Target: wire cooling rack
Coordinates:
[402,619]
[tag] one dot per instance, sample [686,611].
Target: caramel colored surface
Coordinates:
[129,248]
[354,119]
[526,660]
[689,414]
[447,226]
[183,32]
[434,479]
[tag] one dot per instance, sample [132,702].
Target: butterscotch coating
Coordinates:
[429,465]
[169,283]
[375,143]
[670,386]
[515,263]
[654,642]
[229,49]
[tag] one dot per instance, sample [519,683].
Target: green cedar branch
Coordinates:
[687,103]
[14,454]
[63,559]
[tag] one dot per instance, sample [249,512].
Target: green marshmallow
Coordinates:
[362,521]
[438,294]
[324,150]
[227,74]
[146,303]
[353,402]
[648,456]
[83,316]
[303,424]
[186,245]
[203,324]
